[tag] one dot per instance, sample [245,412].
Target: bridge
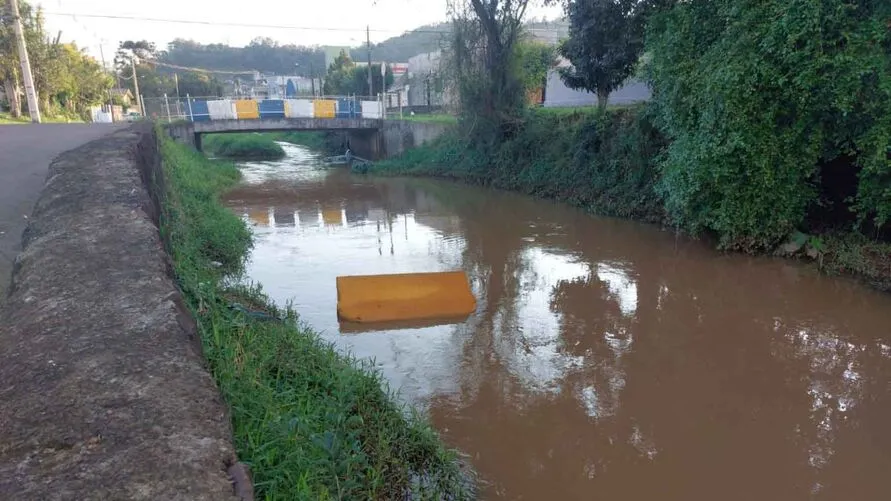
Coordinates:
[365,123]
[363,132]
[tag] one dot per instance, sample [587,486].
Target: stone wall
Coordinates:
[104,389]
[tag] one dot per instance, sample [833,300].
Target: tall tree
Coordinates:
[482,63]
[605,41]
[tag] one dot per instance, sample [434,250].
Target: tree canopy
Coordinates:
[66,79]
[605,41]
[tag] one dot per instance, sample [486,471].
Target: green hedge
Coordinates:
[757,97]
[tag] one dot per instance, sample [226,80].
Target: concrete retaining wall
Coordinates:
[103,387]
[394,138]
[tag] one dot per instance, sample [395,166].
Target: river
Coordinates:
[607,359]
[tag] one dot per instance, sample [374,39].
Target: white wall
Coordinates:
[558,95]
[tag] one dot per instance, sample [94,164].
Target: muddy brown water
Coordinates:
[606,359]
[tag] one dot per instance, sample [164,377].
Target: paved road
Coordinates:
[25,153]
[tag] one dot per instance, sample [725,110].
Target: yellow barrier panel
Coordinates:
[247,109]
[332,216]
[410,296]
[324,108]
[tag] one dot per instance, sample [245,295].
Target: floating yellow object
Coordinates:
[245,108]
[324,108]
[410,296]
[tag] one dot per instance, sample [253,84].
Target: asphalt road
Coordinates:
[25,154]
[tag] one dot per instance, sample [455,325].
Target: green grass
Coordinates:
[604,162]
[311,422]
[7,119]
[439,118]
[243,146]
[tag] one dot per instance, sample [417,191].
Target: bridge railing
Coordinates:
[197,109]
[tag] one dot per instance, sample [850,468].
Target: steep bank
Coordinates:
[609,164]
[105,394]
[311,422]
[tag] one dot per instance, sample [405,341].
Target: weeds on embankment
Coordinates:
[311,423]
[243,146]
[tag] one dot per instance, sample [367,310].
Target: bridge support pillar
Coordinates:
[196,141]
[366,143]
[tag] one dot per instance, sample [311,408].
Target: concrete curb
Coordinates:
[104,390]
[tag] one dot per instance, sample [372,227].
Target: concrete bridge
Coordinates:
[368,137]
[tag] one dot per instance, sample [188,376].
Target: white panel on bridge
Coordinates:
[371,109]
[222,109]
[298,108]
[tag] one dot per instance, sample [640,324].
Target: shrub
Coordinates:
[756,96]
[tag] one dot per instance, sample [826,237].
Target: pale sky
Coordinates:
[301,22]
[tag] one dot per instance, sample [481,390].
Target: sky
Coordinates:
[301,22]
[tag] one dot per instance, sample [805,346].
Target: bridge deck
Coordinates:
[274,124]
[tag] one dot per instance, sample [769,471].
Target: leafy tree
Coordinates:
[605,41]
[67,81]
[339,74]
[533,60]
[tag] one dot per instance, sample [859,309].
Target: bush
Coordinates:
[604,162]
[756,97]
[247,146]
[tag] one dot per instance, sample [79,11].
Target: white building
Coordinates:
[558,95]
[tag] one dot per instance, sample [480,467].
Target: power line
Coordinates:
[224,23]
[251,25]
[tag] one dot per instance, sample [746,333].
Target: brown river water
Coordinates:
[607,359]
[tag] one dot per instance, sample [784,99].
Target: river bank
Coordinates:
[608,164]
[310,421]
[243,146]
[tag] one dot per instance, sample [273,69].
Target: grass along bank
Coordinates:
[311,422]
[609,164]
[243,146]
[605,163]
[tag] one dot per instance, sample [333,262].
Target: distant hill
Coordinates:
[398,49]
[268,56]
[435,36]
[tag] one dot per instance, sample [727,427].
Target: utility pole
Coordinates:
[312,77]
[30,91]
[136,85]
[104,70]
[368,39]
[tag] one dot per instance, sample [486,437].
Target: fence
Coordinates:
[199,109]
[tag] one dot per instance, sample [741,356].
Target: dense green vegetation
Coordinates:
[310,422]
[68,82]
[605,162]
[777,112]
[244,146]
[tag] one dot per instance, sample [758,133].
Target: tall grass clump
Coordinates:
[243,146]
[311,422]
